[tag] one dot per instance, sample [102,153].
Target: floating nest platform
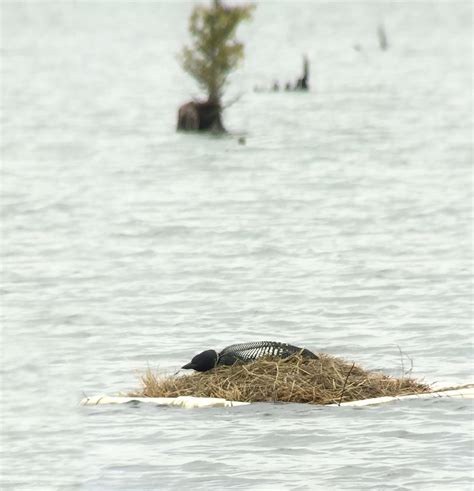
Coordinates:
[328,380]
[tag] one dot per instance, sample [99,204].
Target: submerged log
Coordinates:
[200,116]
[301,84]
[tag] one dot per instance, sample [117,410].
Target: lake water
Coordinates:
[343,225]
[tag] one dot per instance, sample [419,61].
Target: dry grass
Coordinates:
[325,381]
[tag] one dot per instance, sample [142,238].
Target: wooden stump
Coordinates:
[200,116]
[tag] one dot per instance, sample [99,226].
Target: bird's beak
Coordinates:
[189,366]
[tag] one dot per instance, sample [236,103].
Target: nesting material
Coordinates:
[328,380]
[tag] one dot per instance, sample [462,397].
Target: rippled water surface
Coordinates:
[343,224]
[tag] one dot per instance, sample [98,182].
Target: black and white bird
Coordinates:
[244,353]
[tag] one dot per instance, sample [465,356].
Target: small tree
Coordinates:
[215,52]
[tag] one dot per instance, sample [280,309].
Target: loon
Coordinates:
[244,353]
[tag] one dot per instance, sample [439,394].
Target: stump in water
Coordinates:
[302,83]
[213,54]
[200,116]
[382,35]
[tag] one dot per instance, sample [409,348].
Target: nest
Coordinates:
[327,380]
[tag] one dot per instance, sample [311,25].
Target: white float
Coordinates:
[189,402]
[466,392]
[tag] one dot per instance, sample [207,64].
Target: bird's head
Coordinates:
[203,361]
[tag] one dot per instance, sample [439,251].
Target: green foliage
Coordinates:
[215,52]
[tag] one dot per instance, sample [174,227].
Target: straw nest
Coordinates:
[327,380]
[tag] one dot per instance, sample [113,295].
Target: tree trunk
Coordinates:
[200,116]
